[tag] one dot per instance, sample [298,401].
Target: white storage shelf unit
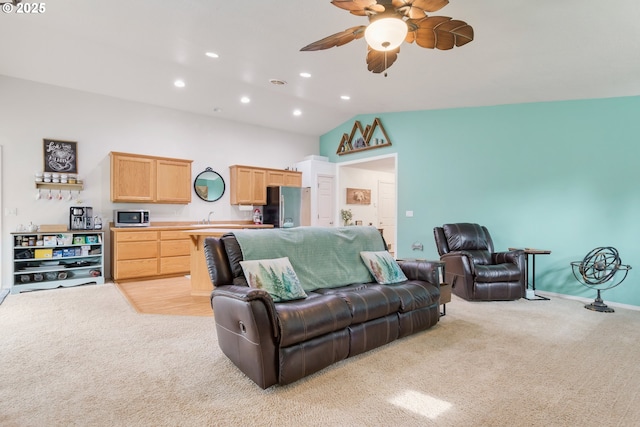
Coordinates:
[50,260]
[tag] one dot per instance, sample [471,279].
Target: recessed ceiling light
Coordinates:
[245,100]
[345,97]
[179,83]
[277,82]
[297,112]
[212,55]
[305,75]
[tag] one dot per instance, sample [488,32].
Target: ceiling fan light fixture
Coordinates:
[386,33]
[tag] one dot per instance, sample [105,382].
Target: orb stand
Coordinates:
[599,305]
[597,271]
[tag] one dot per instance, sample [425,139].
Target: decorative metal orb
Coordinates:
[597,271]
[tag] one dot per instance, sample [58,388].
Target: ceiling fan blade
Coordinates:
[359,7]
[439,32]
[337,39]
[416,9]
[376,61]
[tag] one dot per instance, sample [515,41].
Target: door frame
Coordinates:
[373,161]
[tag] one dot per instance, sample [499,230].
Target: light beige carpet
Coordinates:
[82,356]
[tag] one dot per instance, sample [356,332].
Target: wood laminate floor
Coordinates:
[165,296]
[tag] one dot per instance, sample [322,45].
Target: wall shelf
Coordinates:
[366,141]
[57,186]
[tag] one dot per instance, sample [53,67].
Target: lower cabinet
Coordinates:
[175,255]
[134,254]
[149,253]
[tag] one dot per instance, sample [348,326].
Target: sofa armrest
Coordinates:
[459,262]
[249,295]
[508,257]
[427,271]
[247,332]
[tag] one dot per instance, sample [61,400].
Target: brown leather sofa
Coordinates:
[282,342]
[473,269]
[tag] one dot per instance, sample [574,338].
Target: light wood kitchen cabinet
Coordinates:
[248,184]
[175,252]
[284,177]
[138,178]
[147,253]
[134,254]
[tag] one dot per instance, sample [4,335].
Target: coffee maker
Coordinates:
[81,218]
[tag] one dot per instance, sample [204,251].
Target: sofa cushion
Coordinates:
[383,267]
[415,294]
[316,315]
[276,276]
[497,273]
[466,236]
[367,301]
[234,254]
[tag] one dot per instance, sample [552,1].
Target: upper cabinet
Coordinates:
[248,184]
[138,178]
[284,177]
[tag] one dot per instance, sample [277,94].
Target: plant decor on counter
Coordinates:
[346,215]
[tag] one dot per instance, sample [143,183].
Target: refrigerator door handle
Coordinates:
[281,216]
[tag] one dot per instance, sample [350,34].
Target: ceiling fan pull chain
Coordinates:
[385,63]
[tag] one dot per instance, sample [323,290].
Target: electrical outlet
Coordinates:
[10,211]
[409,214]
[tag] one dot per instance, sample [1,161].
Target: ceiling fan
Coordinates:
[393,21]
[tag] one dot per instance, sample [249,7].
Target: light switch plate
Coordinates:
[409,214]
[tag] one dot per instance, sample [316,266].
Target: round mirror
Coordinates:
[209,185]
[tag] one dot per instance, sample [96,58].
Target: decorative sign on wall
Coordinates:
[373,136]
[358,196]
[60,156]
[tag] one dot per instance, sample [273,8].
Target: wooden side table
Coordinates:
[533,252]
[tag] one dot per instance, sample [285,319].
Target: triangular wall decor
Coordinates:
[365,140]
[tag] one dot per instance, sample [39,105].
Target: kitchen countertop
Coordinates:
[191,226]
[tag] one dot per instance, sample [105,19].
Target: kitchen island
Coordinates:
[200,281]
[160,250]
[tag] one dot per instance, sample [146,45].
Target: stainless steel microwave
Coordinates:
[131,218]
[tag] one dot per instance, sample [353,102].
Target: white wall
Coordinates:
[30,112]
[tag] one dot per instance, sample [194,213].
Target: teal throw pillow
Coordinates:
[383,267]
[276,276]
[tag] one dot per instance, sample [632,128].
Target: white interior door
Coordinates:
[387,213]
[326,210]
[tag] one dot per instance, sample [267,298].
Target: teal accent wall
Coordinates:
[562,176]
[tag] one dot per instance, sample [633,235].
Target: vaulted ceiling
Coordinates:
[523,51]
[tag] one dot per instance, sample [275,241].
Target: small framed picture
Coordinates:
[60,156]
[358,222]
[358,196]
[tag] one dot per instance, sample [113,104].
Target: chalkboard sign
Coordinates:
[60,156]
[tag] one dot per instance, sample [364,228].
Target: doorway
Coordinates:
[379,174]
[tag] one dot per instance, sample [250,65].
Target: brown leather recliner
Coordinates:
[472,267]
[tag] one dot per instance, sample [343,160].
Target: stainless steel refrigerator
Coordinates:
[287,207]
